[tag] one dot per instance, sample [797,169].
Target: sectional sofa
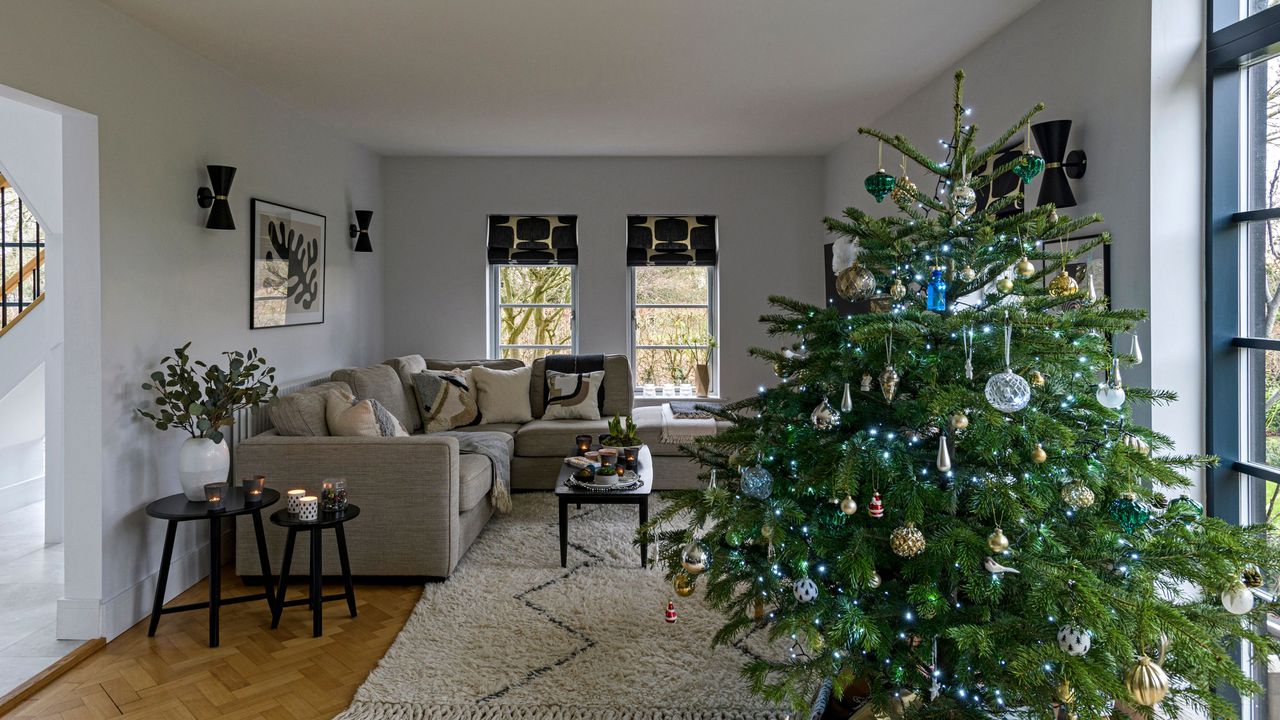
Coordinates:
[422,502]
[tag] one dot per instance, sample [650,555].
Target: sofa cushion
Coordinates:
[301,413]
[555,438]
[349,417]
[405,367]
[615,394]
[504,394]
[648,421]
[446,399]
[379,382]
[475,479]
[508,428]
[499,364]
[573,396]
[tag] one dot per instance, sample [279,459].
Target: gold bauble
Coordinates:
[683,585]
[1004,285]
[1036,377]
[848,505]
[907,541]
[968,274]
[1077,495]
[1025,268]
[1038,455]
[888,382]
[874,581]
[897,290]
[1133,442]
[1066,694]
[1146,681]
[855,283]
[1063,285]
[1251,576]
[997,541]
[904,190]
[766,531]
[959,421]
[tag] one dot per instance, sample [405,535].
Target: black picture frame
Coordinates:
[1003,185]
[1097,259]
[286,291]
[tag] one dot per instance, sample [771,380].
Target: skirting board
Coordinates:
[23,493]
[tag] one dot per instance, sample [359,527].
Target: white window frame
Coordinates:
[495,312]
[713,326]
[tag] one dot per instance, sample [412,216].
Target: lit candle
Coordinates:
[253,489]
[294,501]
[213,495]
[632,455]
[584,444]
[309,508]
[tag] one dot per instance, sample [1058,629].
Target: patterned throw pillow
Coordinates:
[349,417]
[446,399]
[573,396]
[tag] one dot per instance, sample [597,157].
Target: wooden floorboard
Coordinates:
[257,673]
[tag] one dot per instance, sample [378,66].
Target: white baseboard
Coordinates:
[79,618]
[23,493]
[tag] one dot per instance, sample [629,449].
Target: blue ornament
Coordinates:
[757,482]
[937,298]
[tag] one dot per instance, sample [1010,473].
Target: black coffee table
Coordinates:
[176,509]
[639,496]
[315,599]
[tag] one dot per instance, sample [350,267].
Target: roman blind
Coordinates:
[533,240]
[671,240]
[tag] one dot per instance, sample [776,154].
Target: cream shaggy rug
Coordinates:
[513,635]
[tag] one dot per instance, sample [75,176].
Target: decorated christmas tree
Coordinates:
[944,502]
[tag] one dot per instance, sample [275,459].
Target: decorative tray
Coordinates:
[628,481]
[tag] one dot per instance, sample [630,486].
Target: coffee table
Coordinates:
[639,496]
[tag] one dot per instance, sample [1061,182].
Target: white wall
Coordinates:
[22,442]
[163,113]
[769,212]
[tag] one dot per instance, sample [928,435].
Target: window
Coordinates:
[534,311]
[673,327]
[533,285]
[21,257]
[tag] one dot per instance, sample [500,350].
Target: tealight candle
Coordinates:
[294,501]
[584,444]
[309,508]
[631,457]
[213,493]
[253,489]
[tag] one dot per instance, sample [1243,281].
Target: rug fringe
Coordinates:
[365,710]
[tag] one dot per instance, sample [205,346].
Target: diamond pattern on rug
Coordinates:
[514,635]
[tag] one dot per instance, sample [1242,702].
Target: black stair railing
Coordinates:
[21,258]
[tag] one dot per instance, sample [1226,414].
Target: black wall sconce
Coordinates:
[215,197]
[360,231]
[1059,164]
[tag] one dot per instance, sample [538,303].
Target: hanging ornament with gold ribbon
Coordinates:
[1146,681]
[907,541]
[889,376]
[879,183]
[904,190]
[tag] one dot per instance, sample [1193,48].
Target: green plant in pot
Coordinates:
[203,399]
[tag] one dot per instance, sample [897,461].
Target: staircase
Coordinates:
[21,258]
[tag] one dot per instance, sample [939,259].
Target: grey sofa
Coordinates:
[422,503]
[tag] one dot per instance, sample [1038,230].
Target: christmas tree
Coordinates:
[945,502]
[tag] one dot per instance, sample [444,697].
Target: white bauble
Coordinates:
[1110,397]
[805,590]
[1074,640]
[1238,600]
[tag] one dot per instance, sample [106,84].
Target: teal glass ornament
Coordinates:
[1129,512]
[879,184]
[936,299]
[1185,506]
[1028,166]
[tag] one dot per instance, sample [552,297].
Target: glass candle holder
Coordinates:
[293,501]
[583,443]
[214,495]
[609,456]
[333,495]
[631,458]
[253,488]
[309,508]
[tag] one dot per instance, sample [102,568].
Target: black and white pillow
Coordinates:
[573,396]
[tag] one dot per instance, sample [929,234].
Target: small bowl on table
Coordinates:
[606,475]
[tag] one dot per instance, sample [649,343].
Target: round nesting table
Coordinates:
[177,508]
[315,599]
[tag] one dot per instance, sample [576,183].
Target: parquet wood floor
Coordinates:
[257,673]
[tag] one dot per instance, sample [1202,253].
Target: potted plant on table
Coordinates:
[624,435]
[202,399]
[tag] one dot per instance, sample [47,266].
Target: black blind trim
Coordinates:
[671,240]
[533,240]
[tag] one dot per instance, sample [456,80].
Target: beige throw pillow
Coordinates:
[503,394]
[348,417]
[573,396]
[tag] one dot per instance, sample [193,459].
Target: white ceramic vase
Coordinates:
[200,462]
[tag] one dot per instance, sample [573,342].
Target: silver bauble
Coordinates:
[1008,391]
[694,557]
[757,482]
[824,417]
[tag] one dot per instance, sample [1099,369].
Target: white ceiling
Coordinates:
[585,77]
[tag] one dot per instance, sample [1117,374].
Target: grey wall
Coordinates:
[163,113]
[769,212]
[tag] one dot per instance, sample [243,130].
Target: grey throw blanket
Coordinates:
[496,447]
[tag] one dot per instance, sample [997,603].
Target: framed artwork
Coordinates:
[1092,267]
[287,248]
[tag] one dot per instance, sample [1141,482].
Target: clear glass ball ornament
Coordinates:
[757,482]
[963,198]
[1008,391]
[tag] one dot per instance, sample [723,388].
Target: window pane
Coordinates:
[1262,280]
[1261,401]
[528,355]
[551,284]
[1256,6]
[1262,135]
[671,326]
[662,367]
[681,285]
[535,326]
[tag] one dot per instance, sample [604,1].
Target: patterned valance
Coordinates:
[533,239]
[671,240]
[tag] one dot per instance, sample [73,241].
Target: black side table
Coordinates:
[176,509]
[315,599]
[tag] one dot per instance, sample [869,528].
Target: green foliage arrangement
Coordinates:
[202,399]
[941,624]
[623,432]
